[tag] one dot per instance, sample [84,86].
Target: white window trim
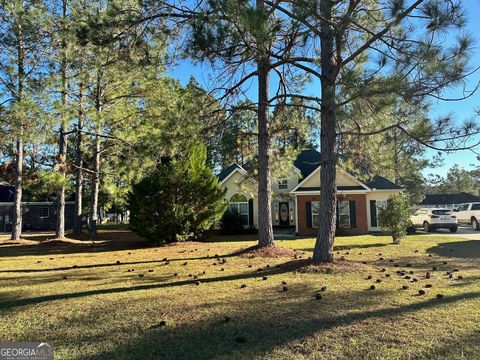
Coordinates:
[349,217]
[311,206]
[237,205]
[283,184]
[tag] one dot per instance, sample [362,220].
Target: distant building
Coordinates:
[37,215]
[449,201]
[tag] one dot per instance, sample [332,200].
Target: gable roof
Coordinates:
[307,161]
[359,187]
[6,192]
[381,183]
[445,199]
[224,174]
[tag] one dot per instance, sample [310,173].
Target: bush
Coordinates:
[394,217]
[411,229]
[179,201]
[231,223]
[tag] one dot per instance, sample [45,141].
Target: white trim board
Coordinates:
[339,192]
[339,169]
[240,169]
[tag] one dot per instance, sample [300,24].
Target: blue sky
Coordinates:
[461,109]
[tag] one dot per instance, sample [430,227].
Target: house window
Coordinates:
[380,205]
[283,184]
[239,204]
[315,213]
[344,214]
[44,212]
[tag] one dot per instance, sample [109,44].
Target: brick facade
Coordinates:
[360,210]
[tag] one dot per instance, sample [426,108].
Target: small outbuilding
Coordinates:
[36,215]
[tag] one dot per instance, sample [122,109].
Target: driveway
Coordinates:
[463,232]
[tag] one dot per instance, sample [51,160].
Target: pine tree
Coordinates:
[178,201]
[23,42]
[362,50]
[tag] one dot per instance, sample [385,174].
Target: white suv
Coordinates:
[433,219]
[469,214]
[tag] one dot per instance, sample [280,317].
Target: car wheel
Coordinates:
[453,229]
[475,224]
[426,227]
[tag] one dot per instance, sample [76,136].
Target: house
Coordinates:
[295,197]
[449,201]
[37,215]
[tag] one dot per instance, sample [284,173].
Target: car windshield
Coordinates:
[441,212]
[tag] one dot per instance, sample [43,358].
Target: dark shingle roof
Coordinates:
[226,172]
[445,199]
[381,183]
[6,192]
[307,161]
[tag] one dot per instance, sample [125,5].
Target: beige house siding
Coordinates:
[342,179]
[237,183]
[378,195]
[283,195]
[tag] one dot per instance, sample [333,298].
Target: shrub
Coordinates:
[394,217]
[231,223]
[178,201]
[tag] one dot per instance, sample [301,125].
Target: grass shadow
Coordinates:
[280,269]
[45,244]
[468,249]
[262,333]
[350,247]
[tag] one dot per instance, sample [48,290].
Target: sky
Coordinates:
[461,110]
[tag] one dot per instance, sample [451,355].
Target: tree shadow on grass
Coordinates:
[468,249]
[213,338]
[350,247]
[466,347]
[424,263]
[239,252]
[282,268]
[45,244]
[12,282]
[79,267]
[230,238]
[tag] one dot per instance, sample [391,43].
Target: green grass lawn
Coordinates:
[77,297]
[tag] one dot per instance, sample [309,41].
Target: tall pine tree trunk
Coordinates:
[323,251]
[265,228]
[62,141]
[95,187]
[96,159]
[77,221]
[17,200]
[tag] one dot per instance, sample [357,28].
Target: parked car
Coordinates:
[469,214]
[433,219]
